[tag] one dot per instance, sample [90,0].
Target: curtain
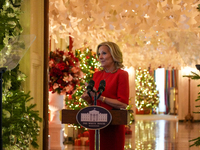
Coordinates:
[170,82]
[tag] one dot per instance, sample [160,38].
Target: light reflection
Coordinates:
[161,140]
[148,134]
[145,132]
[155,134]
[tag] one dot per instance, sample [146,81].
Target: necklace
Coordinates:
[110,72]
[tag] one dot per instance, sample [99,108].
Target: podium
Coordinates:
[119,117]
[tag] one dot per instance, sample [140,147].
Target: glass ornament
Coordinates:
[33,118]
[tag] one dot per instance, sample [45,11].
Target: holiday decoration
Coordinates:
[146,93]
[143,29]
[63,72]
[20,120]
[88,65]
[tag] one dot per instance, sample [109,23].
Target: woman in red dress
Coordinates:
[115,95]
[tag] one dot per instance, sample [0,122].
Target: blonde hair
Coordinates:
[115,52]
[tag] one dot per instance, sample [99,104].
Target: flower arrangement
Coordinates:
[64,72]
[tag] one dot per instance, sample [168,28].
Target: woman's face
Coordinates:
[105,57]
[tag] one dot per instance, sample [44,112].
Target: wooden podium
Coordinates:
[119,117]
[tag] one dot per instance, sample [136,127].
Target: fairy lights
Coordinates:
[146,93]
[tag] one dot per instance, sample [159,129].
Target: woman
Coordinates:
[115,95]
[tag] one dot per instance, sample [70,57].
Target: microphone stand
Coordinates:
[97,132]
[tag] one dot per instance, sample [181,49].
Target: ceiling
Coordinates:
[149,32]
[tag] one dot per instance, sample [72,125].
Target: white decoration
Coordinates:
[140,28]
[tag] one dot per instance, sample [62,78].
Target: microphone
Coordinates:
[102,86]
[90,87]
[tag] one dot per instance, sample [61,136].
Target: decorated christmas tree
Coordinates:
[146,93]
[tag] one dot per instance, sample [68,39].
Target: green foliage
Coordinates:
[196,142]
[10,81]
[9,22]
[20,122]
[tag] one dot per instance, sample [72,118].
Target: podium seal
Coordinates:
[94,117]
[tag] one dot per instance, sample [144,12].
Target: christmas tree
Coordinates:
[146,93]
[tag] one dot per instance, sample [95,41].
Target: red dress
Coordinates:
[112,137]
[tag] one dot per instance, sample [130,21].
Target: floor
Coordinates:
[157,132]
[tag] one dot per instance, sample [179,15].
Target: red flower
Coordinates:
[76,59]
[71,63]
[59,81]
[61,66]
[61,52]
[62,74]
